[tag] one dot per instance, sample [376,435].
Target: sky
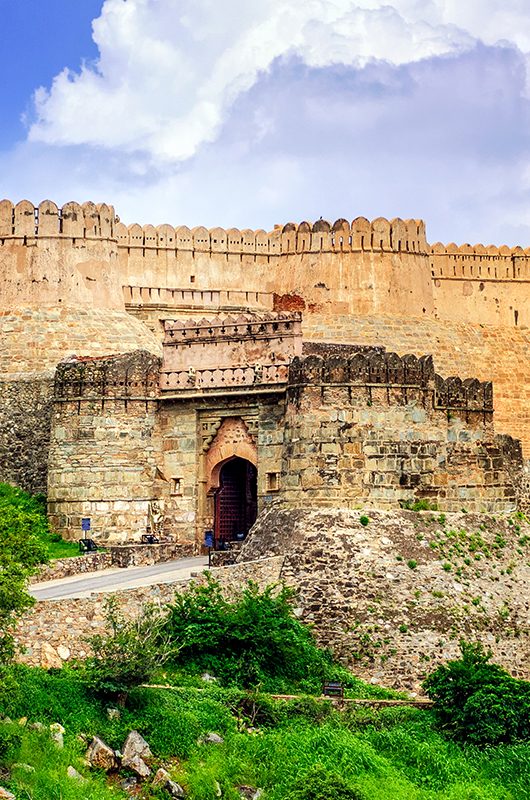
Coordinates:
[251,113]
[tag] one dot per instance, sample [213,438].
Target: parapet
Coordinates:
[75,221]
[480,262]
[396,235]
[244,326]
[127,377]
[389,370]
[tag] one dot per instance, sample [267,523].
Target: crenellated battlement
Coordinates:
[74,221]
[479,262]
[391,371]
[240,328]
[381,234]
[128,377]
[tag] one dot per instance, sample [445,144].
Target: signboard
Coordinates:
[208,539]
[85,524]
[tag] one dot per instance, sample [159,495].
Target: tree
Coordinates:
[21,552]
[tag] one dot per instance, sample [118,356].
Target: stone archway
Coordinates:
[230,469]
[235,501]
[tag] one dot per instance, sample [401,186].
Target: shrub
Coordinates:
[21,553]
[478,701]
[128,654]
[364,520]
[250,641]
[319,784]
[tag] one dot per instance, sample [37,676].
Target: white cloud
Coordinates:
[169,70]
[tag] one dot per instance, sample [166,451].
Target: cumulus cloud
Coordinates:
[170,70]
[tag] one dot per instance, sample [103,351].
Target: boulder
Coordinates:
[129,784]
[113,713]
[138,765]
[135,745]
[49,657]
[249,792]
[163,780]
[5,795]
[101,755]
[57,734]
[213,738]
[75,775]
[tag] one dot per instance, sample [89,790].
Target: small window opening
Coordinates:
[273,481]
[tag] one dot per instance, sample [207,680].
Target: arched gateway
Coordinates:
[231,481]
[236,502]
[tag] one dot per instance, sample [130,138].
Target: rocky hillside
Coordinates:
[392,593]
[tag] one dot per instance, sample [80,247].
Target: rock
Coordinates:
[213,738]
[100,755]
[37,726]
[207,678]
[113,713]
[63,652]
[58,738]
[135,745]
[49,657]
[23,767]
[139,766]
[75,775]
[163,780]
[249,792]
[5,795]
[129,783]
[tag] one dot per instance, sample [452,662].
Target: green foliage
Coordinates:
[249,641]
[412,564]
[320,784]
[478,701]
[418,505]
[21,553]
[129,653]
[364,520]
[299,746]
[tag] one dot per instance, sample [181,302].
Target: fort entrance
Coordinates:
[235,503]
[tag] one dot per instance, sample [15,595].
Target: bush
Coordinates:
[364,520]
[128,654]
[478,701]
[21,552]
[319,784]
[250,641]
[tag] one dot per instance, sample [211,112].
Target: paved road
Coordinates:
[114,579]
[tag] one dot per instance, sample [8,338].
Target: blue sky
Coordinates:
[246,113]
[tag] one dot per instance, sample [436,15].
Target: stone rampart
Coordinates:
[392,597]
[486,285]
[381,429]
[496,354]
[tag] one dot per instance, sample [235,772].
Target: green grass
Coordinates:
[35,505]
[292,750]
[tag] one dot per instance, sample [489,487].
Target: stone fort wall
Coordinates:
[75,280]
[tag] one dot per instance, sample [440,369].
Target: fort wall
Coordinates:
[381,429]
[484,285]
[353,267]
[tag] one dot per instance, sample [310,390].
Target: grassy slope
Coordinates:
[394,753]
[16,499]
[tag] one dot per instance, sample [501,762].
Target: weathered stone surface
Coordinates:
[135,746]
[75,775]
[249,792]
[6,795]
[393,597]
[213,738]
[137,765]
[101,755]
[163,780]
